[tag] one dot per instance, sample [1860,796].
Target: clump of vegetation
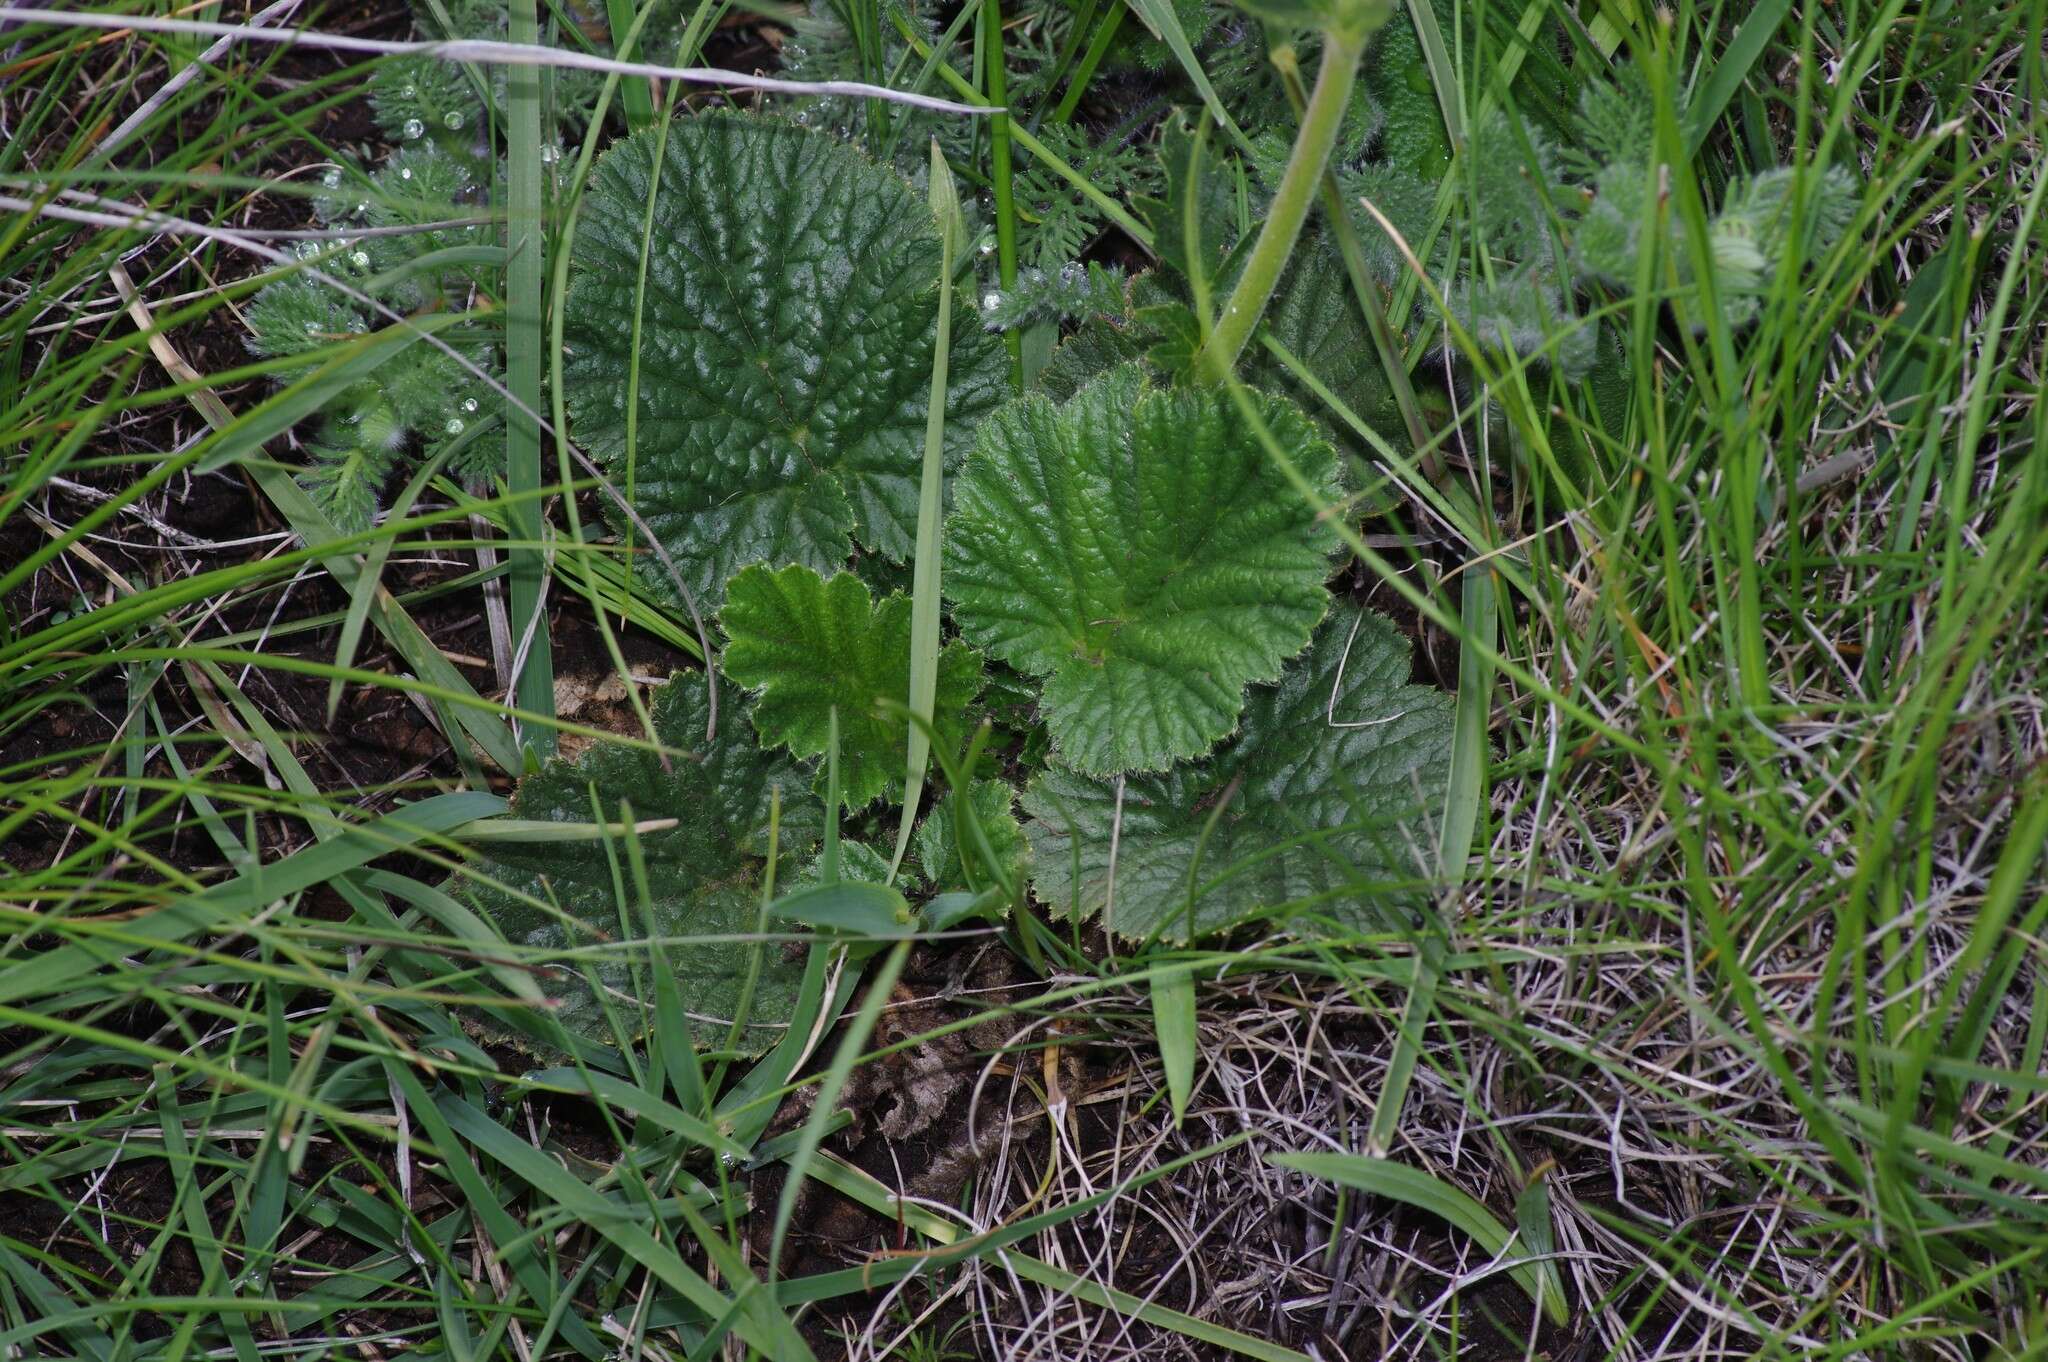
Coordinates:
[1395,626]
[412,236]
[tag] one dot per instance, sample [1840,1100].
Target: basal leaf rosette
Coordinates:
[808,644]
[1325,803]
[704,874]
[1141,550]
[785,343]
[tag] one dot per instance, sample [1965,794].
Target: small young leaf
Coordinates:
[703,873]
[856,907]
[1173,1022]
[1331,788]
[808,643]
[938,845]
[788,331]
[1140,550]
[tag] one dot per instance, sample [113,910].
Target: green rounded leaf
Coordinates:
[807,644]
[704,874]
[1326,800]
[1140,550]
[786,343]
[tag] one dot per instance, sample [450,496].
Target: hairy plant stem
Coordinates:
[1371,301]
[1289,210]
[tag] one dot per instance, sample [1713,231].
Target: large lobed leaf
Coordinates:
[786,345]
[1328,799]
[1141,550]
[704,874]
[809,644]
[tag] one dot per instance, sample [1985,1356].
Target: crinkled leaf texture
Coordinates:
[858,862]
[1141,550]
[704,874]
[1329,797]
[786,345]
[938,837]
[808,643]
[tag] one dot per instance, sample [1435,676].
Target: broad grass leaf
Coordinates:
[791,314]
[1138,549]
[1427,1192]
[1325,802]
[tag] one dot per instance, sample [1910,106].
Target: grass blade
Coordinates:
[245,894]
[533,676]
[1738,59]
[850,1045]
[1173,1020]
[924,580]
[1431,1194]
[1462,803]
[1164,21]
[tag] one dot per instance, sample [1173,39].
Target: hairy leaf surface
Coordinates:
[938,838]
[1140,550]
[1326,799]
[704,874]
[786,344]
[808,643]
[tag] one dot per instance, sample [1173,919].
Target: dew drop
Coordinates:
[988,248]
[361,260]
[413,129]
[407,93]
[312,328]
[469,405]
[362,205]
[332,179]
[549,154]
[991,300]
[454,426]
[452,120]
[405,172]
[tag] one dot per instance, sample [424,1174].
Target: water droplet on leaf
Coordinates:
[413,129]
